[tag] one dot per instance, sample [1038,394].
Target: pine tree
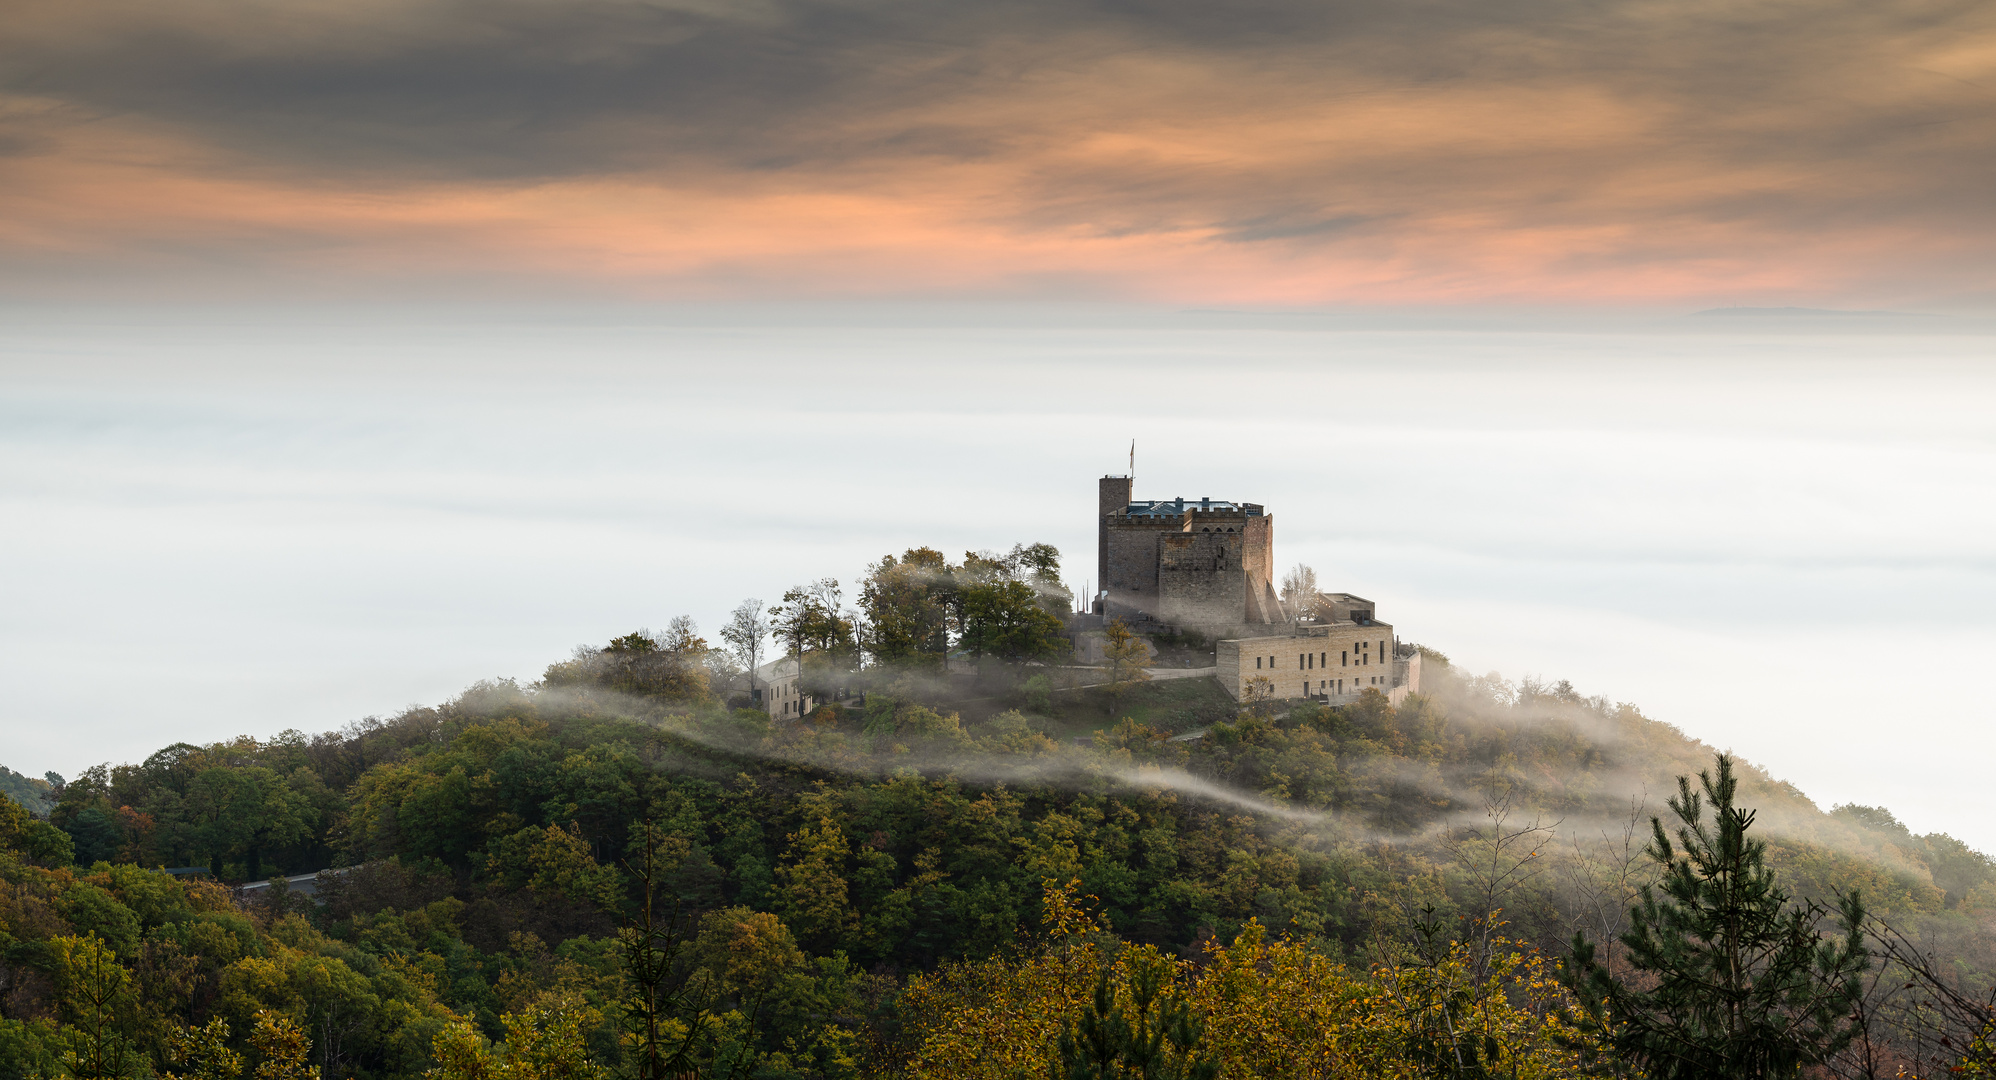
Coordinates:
[1742,983]
[664,1031]
[1154,1039]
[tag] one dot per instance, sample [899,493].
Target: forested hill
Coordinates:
[824,865]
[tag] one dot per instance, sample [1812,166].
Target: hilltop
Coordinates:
[895,833]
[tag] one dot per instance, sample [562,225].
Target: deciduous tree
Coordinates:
[1126,654]
[747,630]
[907,602]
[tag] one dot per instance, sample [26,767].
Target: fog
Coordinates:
[1770,531]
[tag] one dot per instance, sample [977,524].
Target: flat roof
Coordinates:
[1179,505]
[1341,624]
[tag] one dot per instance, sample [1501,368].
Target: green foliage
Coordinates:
[673,665]
[815,631]
[663,1025]
[1007,608]
[1125,654]
[1744,985]
[94,1004]
[1133,1031]
[907,605]
[821,875]
[281,1050]
[1006,620]
[36,841]
[33,794]
[204,1052]
[553,862]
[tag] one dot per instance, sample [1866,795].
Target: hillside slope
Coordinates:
[865,845]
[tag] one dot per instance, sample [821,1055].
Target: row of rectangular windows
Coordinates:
[1324,686]
[1307,661]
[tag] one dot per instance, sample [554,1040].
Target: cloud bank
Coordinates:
[1272,151]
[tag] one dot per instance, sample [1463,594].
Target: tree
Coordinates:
[38,840]
[1740,981]
[94,1000]
[672,664]
[554,862]
[242,811]
[282,1050]
[748,627]
[665,1029]
[1299,590]
[1127,654]
[1038,565]
[1138,1034]
[815,631]
[543,1042]
[907,602]
[1006,619]
[205,1051]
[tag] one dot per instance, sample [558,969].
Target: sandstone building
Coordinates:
[1332,660]
[1204,564]
[1207,567]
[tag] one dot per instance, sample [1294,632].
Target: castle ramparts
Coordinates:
[1206,567]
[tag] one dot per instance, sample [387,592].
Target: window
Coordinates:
[1257,663]
[1344,658]
[1322,658]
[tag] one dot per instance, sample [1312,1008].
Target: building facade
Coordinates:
[1205,565]
[1332,660]
[777,688]
[1208,566]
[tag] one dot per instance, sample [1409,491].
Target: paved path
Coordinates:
[1161,674]
[301,884]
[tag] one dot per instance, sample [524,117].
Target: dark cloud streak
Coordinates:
[530,88]
[1272,122]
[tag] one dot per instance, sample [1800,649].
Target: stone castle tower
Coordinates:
[1198,564]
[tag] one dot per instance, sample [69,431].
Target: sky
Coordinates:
[1771,532]
[353,351]
[1834,153]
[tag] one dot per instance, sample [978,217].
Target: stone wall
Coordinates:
[1131,576]
[1112,494]
[1199,577]
[1204,568]
[1258,562]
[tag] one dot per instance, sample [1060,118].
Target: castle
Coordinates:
[1206,567]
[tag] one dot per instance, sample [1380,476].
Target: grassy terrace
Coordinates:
[1173,705]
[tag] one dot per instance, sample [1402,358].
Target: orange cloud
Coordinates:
[1085,161]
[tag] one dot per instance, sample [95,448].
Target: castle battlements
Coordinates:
[1206,566]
